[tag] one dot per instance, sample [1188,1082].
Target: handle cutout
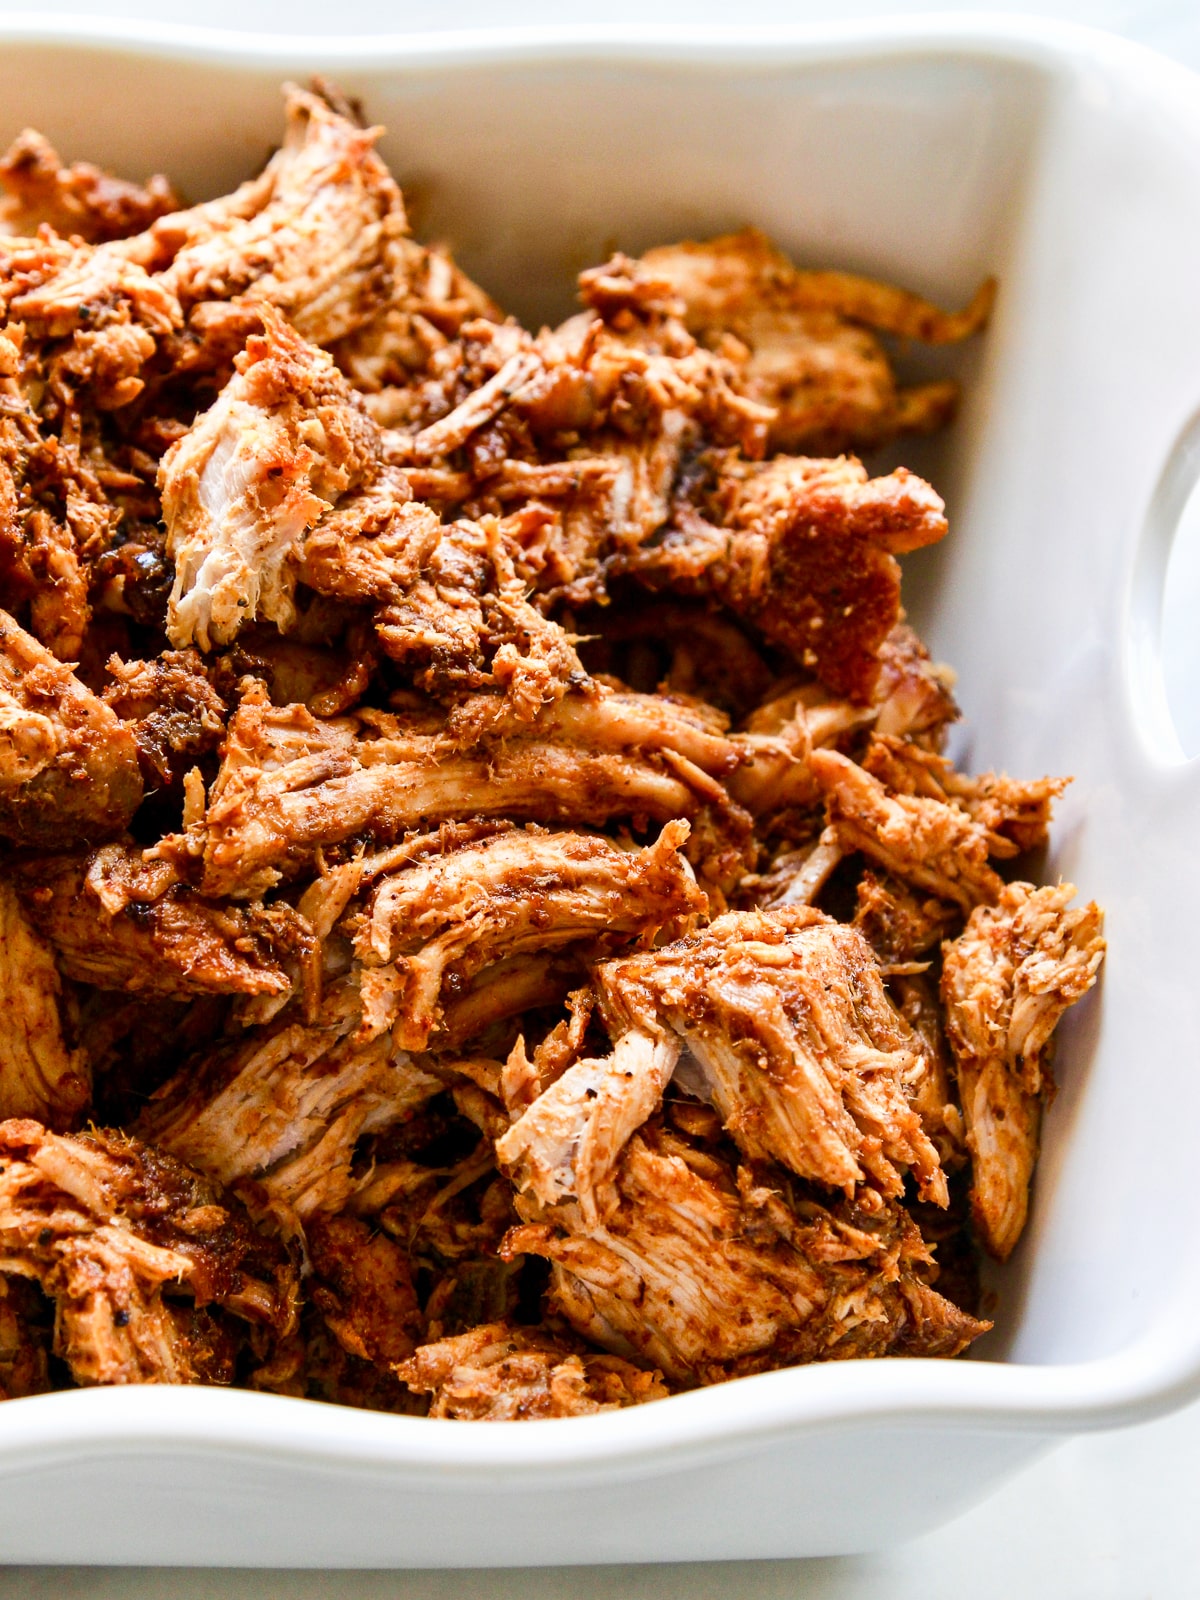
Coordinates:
[1180,634]
[1164,618]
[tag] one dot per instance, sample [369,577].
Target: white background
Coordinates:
[1112,1517]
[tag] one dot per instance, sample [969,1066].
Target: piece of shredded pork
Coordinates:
[445,917]
[930,837]
[501,1373]
[79,201]
[285,1105]
[24,1345]
[804,550]
[286,437]
[292,784]
[707,1272]
[809,342]
[68,766]
[317,234]
[1006,982]
[781,1021]
[118,922]
[133,1248]
[42,1074]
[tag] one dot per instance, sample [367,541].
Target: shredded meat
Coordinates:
[447,916]
[24,1368]
[786,1029]
[806,348]
[41,1074]
[285,1106]
[1015,813]
[68,767]
[119,923]
[677,647]
[285,439]
[430,300]
[914,694]
[929,826]
[912,703]
[290,784]
[805,551]
[133,1248]
[707,1273]
[931,1086]
[900,925]
[317,234]
[464,628]
[928,843]
[629,383]
[567,1143]
[1006,982]
[374,546]
[363,1288]
[501,1373]
[476,835]
[78,201]
[173,710]
[506,990]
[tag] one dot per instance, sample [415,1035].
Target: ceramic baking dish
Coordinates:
[928,152]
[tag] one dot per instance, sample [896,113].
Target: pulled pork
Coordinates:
[487,928]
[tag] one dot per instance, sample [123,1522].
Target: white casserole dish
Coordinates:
[928,152]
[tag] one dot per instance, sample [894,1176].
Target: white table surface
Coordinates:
[1107,1517]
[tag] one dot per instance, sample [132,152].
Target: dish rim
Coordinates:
[1155,1373]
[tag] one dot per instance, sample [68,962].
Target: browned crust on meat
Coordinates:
[68,767]
[108,1227]
[80,200]
[117,923]
[501,1373]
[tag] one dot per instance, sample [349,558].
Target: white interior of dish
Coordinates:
[929,167]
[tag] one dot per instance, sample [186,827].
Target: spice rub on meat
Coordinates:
[805,343]
[500,1373]
[68,765]
[42,1074]
[478,857]
[930,827]
[1006,982]
[292,784]
[780,1021]
[708,1272]
[118,922]
[317,235]
[804,550]
[80,201]
[284,1106]
[449,915]
[241,488]
[134,1250]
